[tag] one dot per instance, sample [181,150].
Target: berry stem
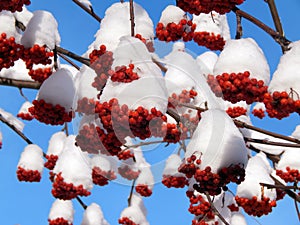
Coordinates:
[88,10]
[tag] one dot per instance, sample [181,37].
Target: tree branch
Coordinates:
[68,60]
[283,187]
[72,55]
[239,28]
[266,142]
[132,17]
[19,83]
[131,192]
[215,209]
[88,10]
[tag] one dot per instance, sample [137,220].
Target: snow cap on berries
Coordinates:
[58,89]
[12,120]
[62,209]
[114,27]
[8,26]
[134,94]
[23,111]
[238,218]
[289,158]
[207,61]
[18,71]
[104,162]
[172,164]
[257,171]
[24,16]
[93,215]
[172,14]
[74,165]
[83,83]
[243,55]
[32,158]
[56,143]
[48,35]
[287,73]
[218,140]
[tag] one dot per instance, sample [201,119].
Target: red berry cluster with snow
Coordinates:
[13,6]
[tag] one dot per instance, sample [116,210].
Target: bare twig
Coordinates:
[239,28]
[283,187]
[84,206]
[72,55]
[19,83]
[88,10]
[69,61]
[131,193]
[160,65]
[132,24]
[22,94]
[215,209]
[142,144]
[266,142]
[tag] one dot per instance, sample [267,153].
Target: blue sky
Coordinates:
[27,204]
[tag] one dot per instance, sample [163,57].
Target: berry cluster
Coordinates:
[51,161]
[291,175]
[101,177]
[13,6]
[28,175]
[10,51]
[280,104]
[207,6]
[40,74]
[143,190]
[86,106]
[149,44]
[124,74]
[260,113]
[67,191]
[233,207]
[173,133]
[125,154]
[173,32]
[25,116]
[213,183]
[236,111]
[190,166]
[256,207]
[101,61]
[59,221]
[184,97]
[237,87]
[128,173]
[174,181]
[126,221]
[200,207]
[200,221]
[50,114]
[209,40]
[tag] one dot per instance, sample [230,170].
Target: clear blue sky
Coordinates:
[29,204]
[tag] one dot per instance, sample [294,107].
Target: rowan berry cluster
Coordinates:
[256,207]
[200,207]
[128,173]
[206,6]
[59,221]
[125,154]
[174,181]
[126,221]
[40,74]
[51,161]
[209,40]
[101,177]
[143,190]
[260,113]
[10,51]
[124,74]
[290,175]
[184,97]
[237,87]
[190,166]
[28,175]
[149,44]
[13,5]
[236,111]
[25,116]
[67,191]
[50,114]
[173,32]
[86,106]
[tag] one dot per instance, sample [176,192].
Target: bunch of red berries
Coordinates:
[40,74]
[128,173]
[172,133]
[28,175]
[10,51]
[13,5]
[236,111]
[260,113]
[101,177]
[149,44]
[59,221]
[86,106]
[174,181]
[190,166]
[184,97]
[173,32]
[200,207]
[237,87]
[143,190]
[206,6]
[126,221]
[291,175]
[25,116]
[209,40]
[124,74]
[256,207]
[51,161]
[125,154]
[67,191]
[50,114]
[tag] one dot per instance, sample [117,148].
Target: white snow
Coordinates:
[56,143]
[172,164]
[7,25]
[74,165]
[62,208]
[42,29]
[105,163]
[32,158]
[18,71]
[145,176]
[287,73]
[218,140]
[86,3]
[93,215]
[114,27]
[135,214]
[257,171]
[24,16]
[290,158]
[172,14]
[296,132]
[59,89]
[12,120]
[243,55]
[238,218]
[135,94]
[24,107]
[206,61]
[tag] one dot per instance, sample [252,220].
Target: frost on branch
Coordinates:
[93,215]
[12,120]
[212,30]
[251,196]
[42,29]
[216,154]
[114,27]
[61,212]
[54,101]
[31,164]
[241,72]
[73,174]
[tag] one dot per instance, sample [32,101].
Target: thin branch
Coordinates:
[69,61]
[131,193]
[142,144]
[187,105]
[272,157]
[19,83]
[283,187]
[160,65]
[72,55]
[132,24]
[239,28]
[274,34]
[84,206]
[88,10]
[174,114]
[22,94]
[280,136]
[215,209]
[266,142]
